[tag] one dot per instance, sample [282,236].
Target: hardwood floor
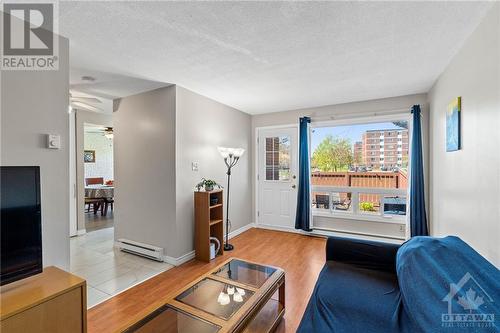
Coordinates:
[95,222]
[302,258]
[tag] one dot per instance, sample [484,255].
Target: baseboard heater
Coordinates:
[141,249]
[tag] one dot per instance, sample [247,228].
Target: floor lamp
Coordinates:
[231,157]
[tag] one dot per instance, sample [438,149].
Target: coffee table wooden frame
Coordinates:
[243,317]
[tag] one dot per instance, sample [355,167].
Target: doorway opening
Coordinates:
[98,177]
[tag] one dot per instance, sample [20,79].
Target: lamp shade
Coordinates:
[224,152]
[238,152]
[227,152]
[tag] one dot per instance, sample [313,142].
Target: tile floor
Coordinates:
[107,270]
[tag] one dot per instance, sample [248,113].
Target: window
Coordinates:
[278,158]
[363,186]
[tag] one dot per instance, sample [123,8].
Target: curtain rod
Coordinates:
[358,115]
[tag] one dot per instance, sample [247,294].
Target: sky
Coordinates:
[352,132]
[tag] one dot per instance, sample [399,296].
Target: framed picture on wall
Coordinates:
[89,156]
[453,137]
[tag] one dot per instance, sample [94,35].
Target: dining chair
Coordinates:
[108,202]
[94,181]
[95,204]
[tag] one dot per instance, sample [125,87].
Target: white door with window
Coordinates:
[277,176]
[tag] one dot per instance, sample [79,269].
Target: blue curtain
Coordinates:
[303,215]
[418,219]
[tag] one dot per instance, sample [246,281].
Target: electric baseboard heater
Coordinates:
[141,249]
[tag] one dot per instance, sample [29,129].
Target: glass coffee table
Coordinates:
[236,296]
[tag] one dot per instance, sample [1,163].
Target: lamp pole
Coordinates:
[230,161]
[231,157]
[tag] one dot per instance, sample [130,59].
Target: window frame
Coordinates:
[355,214]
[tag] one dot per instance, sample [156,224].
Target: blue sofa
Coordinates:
[368,286]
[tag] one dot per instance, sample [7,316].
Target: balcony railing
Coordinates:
[364,203]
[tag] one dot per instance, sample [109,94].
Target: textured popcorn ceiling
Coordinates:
[271,56]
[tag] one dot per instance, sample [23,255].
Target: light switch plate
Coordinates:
[53,141]
[194,166]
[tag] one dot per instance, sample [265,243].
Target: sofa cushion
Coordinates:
[352,299]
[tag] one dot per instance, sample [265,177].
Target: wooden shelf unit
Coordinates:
[209,222]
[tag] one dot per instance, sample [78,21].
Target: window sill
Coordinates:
[401,220]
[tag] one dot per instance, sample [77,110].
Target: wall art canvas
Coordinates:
[453,116]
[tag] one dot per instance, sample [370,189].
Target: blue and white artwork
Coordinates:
[453,125]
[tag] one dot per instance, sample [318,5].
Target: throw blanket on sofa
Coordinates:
[446,286]
[425,285]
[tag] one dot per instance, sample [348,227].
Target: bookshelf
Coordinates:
[209,222]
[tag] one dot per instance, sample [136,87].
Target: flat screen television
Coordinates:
[20,219]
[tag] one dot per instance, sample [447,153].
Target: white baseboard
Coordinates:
[281,228]
[326,233]
[238,231]
[80,232]
[190,255]
[180,260]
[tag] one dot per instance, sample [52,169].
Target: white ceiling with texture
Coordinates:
[271,56]
[107,85]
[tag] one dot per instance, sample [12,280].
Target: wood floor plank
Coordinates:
[302,258]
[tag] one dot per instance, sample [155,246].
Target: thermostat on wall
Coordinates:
[53,141]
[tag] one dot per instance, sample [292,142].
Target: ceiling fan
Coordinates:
[106,131]
[84,102]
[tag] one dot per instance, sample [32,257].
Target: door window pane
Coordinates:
[278,158]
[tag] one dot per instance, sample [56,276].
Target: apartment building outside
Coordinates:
[358,153]
[382,149]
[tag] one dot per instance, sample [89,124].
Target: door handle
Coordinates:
[294,186]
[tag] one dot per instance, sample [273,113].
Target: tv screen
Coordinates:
[20,219]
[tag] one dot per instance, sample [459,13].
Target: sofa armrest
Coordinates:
[362,253]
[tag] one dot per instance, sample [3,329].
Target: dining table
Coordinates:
[99,191]
[104,192]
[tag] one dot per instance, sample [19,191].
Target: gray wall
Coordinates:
[24,123]
[385,104]
[157,135]
[465,185]
[82,118]
[203,124]
[144,159]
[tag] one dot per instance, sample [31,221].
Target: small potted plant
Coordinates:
[208,184]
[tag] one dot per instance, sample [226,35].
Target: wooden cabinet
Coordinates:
[209,222]
[54,301]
